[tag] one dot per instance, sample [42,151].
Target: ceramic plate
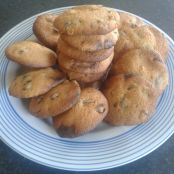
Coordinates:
[103,148]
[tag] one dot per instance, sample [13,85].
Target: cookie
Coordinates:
[162,45]
[129,20]
[87,20]
[130,38]
[85,56]
[84,67]
[45,31]
[31,54]
[132,100]
[146,63]
[83,77]
[93,42]
[35,83]
[56,101]
[84,116]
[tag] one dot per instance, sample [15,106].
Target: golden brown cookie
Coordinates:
[147,63]
[87,20]
[83,77]
[85,56]
[93,42]
[139,37]
[126,19]
[84,67]
[84,116]
[56,101]
[45,31]
[31,54]
[35,83]
[162,45]
[131,99]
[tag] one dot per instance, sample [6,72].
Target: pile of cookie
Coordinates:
[91,64]
[86,46]
[138,75]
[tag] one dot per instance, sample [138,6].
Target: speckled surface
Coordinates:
[159,12]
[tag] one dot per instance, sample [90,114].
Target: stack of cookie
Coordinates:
[138,74]
[86,45]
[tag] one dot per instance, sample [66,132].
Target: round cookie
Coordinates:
[132,99]
[87,20]
[147,63]
[93,42]
[84,116]
[129,20]
[84,67]
[31,54]
[56,101]
[162,45]
[83,77]
[35,83]
[85,56]
[139,37]
[45,31]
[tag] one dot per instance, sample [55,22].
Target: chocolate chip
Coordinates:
[65,131]
[88,101]
[54,96]
[115,32]
[98,21]
[123,103]
[133,25]
[146,92]
[158,82]
[157,59]
[99,45]
[27,86]
[67,24]
[20,51]
[82,42]
[38,111]
[28,81]
[81,21]
[39,99]
[54,31]
[115,105]
[110,17]
[107,44]
[25,76]
[100,108]
[131,87]
[127,76]
[69,27]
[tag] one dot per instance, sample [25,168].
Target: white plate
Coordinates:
[105,147]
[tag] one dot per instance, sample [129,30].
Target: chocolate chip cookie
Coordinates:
[84,116]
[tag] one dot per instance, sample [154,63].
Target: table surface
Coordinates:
[159,12]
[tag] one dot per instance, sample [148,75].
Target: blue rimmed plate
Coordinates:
[105,147]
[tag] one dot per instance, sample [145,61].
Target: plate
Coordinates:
[103,148]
